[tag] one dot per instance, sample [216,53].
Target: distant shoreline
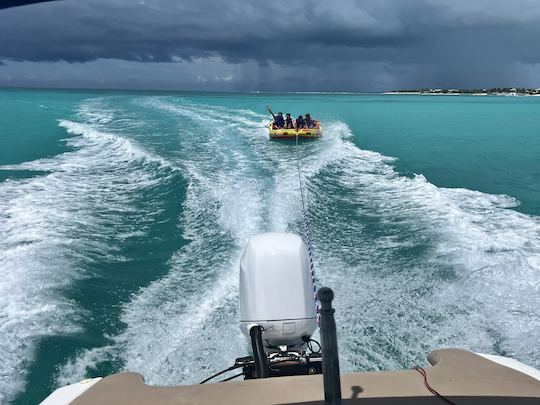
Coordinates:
[504,92]
[412,93]
[258,92]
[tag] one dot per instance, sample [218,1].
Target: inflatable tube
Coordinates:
[304,133]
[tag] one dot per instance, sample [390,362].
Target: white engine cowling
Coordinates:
[276,290]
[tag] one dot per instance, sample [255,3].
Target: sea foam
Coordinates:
[414,266]
[52,226]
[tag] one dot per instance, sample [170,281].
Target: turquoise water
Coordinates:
[123,215]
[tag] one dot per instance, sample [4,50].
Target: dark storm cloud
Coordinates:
[165,30]
[452,41]
[158,31]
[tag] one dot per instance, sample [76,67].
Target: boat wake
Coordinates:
[414,266]
[56,229]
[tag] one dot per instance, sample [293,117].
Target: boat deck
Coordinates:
[462,377]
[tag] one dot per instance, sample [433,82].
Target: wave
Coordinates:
[237,188]
[54,226]
[423,267]
[414,266]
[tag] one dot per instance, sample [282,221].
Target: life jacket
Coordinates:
[299,122]
[288,121]
[280,121]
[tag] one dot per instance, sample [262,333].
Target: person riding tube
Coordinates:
[279,120]
[288,121]
[300,122]
[309,123]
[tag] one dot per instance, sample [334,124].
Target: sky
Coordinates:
[282,45]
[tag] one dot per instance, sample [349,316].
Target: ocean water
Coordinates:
[123,216]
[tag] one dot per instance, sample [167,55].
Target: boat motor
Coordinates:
[276,290]
[278,312]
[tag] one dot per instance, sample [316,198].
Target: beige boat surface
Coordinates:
[459,375]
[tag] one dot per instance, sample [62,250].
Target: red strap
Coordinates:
[430,388]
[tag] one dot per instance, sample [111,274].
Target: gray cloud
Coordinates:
[391,42]
[161,31]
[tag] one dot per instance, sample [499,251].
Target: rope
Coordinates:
[307,237]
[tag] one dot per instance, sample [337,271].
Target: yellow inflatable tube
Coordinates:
[304,133]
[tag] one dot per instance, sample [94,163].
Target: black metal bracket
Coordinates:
[259,355]
[330,359]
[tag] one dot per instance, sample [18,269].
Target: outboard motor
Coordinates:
[277,306]
[276,290]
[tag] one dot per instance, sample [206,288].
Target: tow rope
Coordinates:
[307,236]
